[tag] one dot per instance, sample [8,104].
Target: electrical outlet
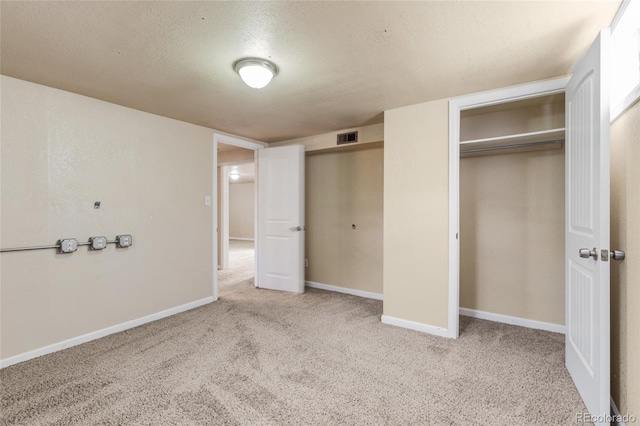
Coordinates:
[124,240]
[98,243]
[306,263]
[68,245]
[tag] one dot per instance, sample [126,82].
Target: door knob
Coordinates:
[298,228]
[617,254]
[586,253]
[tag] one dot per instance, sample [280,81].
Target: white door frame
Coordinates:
[224,216]
[456,106]
[240,143]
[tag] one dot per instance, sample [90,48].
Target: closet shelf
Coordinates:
[510,141]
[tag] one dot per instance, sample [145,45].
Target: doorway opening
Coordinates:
[235,215]
[236,203]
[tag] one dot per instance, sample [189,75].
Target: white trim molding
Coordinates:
[454,219]
[241,239]
[522,322]
[416,326]
[224,215]
[629,101]
[74,341]
[351,291]
[624,12]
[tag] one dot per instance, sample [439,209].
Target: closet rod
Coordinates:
[514,146]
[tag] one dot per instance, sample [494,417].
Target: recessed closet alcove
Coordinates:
[512,194]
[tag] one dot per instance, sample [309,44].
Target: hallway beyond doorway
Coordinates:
[241,264]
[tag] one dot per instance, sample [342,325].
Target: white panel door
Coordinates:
[587,227]
[281,218]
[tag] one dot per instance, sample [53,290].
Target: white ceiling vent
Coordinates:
[344,138]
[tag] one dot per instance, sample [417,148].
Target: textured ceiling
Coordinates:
[341,63]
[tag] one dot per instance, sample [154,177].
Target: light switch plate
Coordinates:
[68,245]
[207,200]
[124,240]
[98,243]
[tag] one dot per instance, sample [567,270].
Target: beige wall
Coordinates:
[416,213]
[241,210]
[625,275]
[345,188]
[60,153]
[235,156]
[510,205]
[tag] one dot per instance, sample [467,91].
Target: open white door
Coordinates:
[587,228]
[281,218]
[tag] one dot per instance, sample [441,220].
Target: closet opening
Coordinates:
[512,213]
[507,256]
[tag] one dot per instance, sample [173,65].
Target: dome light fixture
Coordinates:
[234,174]
[256,72]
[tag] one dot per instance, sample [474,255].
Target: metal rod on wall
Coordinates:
[30,248]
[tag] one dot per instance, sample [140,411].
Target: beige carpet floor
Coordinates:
[259,357]
[241,265]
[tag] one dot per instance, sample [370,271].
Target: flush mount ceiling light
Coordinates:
[256,72]
[234,174]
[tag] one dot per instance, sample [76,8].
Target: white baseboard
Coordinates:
[241,239]
[417,326]
[522,322]
[102,333]
[351,291]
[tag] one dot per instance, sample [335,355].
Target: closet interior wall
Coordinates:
[512,215]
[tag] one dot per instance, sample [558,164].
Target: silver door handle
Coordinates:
[298,228]
[617,254]
[586,253]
